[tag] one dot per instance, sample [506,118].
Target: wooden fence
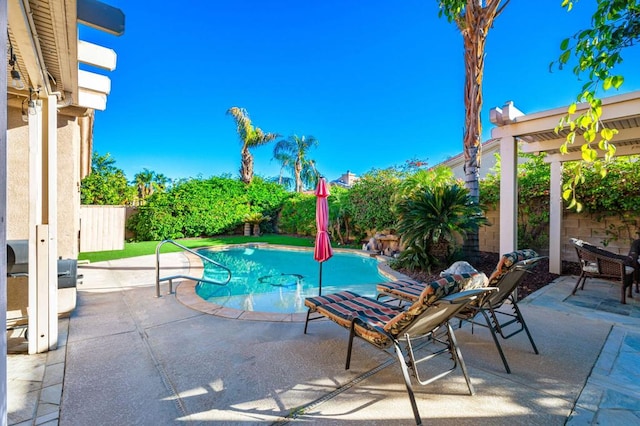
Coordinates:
[102,228]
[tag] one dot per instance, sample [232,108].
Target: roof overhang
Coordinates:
[537,131]
[44,37]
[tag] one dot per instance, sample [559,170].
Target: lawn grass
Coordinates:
[149,247]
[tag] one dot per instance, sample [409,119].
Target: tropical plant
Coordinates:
[250,137]
[416,182]
[340,215]
[474,19]
[147,182]
[292,154]
[431,221]
[106,184]
[615,25]
[286,181]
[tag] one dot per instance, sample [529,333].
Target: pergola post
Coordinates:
[555,218]
[508,195]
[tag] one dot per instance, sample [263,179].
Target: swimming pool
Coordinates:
[268,279]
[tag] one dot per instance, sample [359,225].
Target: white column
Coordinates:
[508,195]
[43,267]
[50,217]
[3,214]
[555,218]
[35,217]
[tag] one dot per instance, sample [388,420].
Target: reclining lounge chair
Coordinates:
[500,322]
[507,275]
[384,326]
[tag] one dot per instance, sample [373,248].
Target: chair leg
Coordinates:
[495,340]
[306,323]
[407,382]
[524,325]
[352,334]
[455,351]
[578,283]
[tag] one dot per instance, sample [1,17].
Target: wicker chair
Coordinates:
[596,262]
[634,254]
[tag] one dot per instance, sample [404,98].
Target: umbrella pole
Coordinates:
[320,281]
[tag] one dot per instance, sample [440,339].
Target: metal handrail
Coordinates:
[172,277]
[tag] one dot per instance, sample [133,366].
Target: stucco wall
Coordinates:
[584,226]
[68,182]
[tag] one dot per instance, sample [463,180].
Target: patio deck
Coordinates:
[126,357]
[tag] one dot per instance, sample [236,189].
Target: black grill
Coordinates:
[18,264]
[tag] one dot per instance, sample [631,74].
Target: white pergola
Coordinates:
[535,133]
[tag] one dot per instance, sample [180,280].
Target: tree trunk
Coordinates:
[297,169]
[475,27]
[246,166]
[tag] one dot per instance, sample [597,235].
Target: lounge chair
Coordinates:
[508,273]
[596,262]
[501,322]
[426,321]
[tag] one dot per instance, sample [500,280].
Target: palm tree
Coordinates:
[250,137]
[474,19]
[293,151]
[143,182]
[147,182]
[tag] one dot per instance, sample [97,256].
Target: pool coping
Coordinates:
[186,290]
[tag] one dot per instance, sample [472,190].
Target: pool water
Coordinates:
[278,280]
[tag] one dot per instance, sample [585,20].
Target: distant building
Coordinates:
[488,160]
[490,148]
[346,180]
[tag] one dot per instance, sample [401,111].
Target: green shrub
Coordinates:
[298,215]
[204,207]
[371,199]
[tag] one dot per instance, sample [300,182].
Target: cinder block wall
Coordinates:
[583,226]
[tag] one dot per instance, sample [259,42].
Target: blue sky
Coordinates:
[377,82]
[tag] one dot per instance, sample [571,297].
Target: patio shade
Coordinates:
[322,251]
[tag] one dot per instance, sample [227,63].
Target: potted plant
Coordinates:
[254,219]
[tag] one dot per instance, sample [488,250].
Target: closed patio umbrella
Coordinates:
[323,249]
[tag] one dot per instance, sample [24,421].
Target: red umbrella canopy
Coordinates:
[323,249]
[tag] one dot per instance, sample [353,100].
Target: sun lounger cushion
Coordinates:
[313,302]
[507,261]
[411,290]
[384,317]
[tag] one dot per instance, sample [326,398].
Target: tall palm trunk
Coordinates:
[297,171]
[246,166]
[474,26]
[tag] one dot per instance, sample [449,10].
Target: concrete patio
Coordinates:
[126,357]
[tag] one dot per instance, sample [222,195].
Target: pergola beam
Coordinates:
[621,112]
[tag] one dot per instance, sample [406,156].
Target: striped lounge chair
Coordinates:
[385,326]
[508,273]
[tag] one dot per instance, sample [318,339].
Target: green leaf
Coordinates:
[617,81]
[567,194]
[564,58]
[589,135]
[564,44]
[607,134]
[606,85]
[589,155]
[572,108]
